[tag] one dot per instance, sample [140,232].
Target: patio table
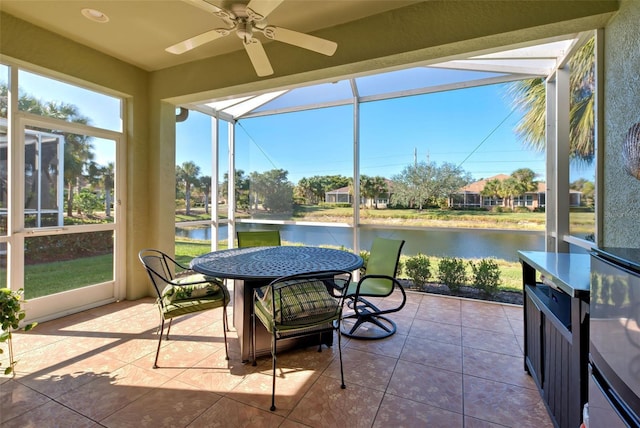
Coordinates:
[257,266]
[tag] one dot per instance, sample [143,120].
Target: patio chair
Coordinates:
[368,320]
[300,305]
[259,238]
[183,293]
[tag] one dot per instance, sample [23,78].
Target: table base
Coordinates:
[242,311]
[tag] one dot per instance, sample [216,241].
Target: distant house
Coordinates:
[470,196]
[343,196]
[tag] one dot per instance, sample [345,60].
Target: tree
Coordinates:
[529,96]
[188,173]
[587,188]
[205,185]
[241,189]
[424,183]
[77,148]
[492,188]
[273,189]
[313,189]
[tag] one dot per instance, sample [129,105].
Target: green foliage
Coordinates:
[423,183]
[69,246]
[87,202]
[486,275]
[418,269]
[451,272]
[11,314]
[365,258]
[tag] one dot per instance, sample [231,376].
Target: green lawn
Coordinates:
[49,278]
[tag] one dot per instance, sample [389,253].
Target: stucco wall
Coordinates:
[621,110]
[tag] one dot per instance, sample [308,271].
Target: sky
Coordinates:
[472,128]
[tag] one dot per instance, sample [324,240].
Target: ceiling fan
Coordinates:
[246,20]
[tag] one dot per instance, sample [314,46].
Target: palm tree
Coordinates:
[529,97]
[188,173]
[205,185]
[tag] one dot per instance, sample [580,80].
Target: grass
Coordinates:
[44,279]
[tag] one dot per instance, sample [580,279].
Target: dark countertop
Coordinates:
[569,272]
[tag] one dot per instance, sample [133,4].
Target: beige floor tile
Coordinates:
[174,404]
[490,341]
[438,331]
[230,413]
[327,405]
[444,315]
[67,377]
[110,393]
[16,399]
[427,385]
[402,413]
[486,322]
[496,366]
[216,374]
[98,363]
[291,385]
[363,369]
[50,415]
[433,353]
[504,404]
[390,346]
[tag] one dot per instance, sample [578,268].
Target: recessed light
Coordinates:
[95,15]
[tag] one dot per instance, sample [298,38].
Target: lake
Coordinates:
[465,243]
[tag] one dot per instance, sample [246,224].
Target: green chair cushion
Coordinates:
[211,289]
[371,287]
[298,304]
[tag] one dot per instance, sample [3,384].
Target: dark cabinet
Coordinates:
[556,329]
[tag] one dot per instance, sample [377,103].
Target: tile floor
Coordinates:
[453,363]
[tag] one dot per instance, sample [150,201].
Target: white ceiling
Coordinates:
[138,31]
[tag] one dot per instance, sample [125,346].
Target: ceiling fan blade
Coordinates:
[306,41]
[258,57]
[259,9]
[198,40]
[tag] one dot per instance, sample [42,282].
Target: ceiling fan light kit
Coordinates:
[245,21]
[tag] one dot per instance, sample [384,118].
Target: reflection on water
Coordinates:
[465,243]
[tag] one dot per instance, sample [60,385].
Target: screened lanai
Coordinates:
[540,60]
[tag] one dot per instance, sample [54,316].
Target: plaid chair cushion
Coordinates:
[297,303]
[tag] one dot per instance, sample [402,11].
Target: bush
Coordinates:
[520,209]
[486,275]
[365,258]
[418,269]
[451,272]
[87,202]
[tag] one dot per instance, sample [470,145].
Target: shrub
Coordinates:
[418,269]
[365,258]
[486,275]
[11,314]
[451,272]
[87,202]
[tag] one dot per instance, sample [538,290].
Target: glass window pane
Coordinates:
[4,82]
[4,85]
[58,263]
[288,165]
[49,97]
[582,168]
[69,178]
[3,265]
[193,185]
